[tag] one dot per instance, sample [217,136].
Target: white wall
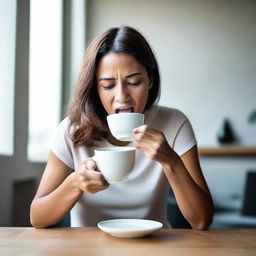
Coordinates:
[207,56]
[206,52]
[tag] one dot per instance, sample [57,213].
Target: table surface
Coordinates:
[91,241]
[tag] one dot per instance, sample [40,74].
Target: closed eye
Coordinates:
[135,84]
[108,87]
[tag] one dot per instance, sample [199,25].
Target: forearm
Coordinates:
[194,202]
[51,208]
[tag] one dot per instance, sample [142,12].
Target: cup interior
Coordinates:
[135,117]
[115,149]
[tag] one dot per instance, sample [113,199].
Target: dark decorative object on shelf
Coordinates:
[252,117]
[226,134]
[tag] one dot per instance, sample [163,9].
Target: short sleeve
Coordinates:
[62,144]
[185,138]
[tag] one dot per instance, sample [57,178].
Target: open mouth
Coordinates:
[124,110]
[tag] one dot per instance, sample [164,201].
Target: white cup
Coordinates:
[115,163]
[121,125]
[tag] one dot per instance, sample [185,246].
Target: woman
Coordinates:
[120,74]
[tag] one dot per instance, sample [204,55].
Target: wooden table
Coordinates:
[93,242]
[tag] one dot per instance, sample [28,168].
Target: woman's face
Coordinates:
[123,83]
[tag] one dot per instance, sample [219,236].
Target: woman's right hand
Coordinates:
[89,178]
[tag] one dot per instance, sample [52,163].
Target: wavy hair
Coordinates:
[86,112]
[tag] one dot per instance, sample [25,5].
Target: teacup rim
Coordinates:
[129,113]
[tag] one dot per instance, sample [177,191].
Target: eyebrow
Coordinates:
[112,78]
[133,74]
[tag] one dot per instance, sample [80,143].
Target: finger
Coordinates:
[87,164]
[97,186]
[96,189]
[144,145]
[146,130]
[93,188]
[140,129]
[88,185]
[90,164]
[139,137]
[94,175]
[149,150]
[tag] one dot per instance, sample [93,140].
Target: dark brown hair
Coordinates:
[86,112]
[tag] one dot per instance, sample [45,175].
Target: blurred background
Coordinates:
[206,52]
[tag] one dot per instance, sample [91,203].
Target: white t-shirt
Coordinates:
[144,194]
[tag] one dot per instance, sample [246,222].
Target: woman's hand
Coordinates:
[89,179]
[154,144]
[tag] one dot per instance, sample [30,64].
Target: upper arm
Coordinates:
[191,161]
[54,174]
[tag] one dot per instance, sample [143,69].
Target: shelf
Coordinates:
[228,151]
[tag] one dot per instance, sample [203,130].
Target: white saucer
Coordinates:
[129,227]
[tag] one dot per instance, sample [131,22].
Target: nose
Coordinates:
[122,93]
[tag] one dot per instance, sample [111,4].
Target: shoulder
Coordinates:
[162,115]
[65,125]
[172,112]
[63,129]
[62,146]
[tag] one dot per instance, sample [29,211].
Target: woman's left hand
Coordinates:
[154,144]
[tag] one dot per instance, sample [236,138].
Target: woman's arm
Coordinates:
[183,173]
[60,189]
[190,189]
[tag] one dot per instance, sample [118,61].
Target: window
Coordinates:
[45,72]
[7,74]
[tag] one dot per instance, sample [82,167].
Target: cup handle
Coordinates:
[94,159]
